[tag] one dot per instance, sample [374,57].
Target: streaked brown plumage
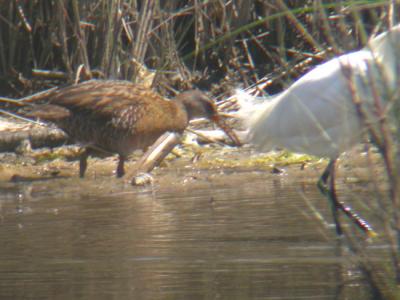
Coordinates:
[118,116]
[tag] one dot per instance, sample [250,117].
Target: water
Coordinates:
[203,236]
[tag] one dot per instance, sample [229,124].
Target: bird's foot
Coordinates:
[348,211]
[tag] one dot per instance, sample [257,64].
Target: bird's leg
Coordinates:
[120,166]
[83,161]
[329,173]
[336,204]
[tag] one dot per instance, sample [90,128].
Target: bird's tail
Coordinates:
[28,110]
[252,111]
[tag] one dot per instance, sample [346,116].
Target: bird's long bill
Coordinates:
[228,131]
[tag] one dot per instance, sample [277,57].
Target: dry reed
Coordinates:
[214,45]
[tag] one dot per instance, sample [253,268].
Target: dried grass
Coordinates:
[174,45]
[214,45]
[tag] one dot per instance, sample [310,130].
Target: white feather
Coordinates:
[316,115]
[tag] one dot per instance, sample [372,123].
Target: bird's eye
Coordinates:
[209,108]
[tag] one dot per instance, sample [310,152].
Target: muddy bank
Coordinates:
[188,162]
[189,165]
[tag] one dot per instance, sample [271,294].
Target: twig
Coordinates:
[155,154]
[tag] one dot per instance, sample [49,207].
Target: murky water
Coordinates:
[219,237]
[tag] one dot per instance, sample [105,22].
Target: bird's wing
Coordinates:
[316,108]
[101,96]
[47,112]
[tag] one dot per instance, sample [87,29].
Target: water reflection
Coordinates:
[218,237]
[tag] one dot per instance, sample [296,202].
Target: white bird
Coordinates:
[318,114]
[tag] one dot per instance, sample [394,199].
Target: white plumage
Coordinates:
[316,115]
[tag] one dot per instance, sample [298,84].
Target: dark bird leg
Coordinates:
[335,204]
[120,166]
[330,192]
[83,161]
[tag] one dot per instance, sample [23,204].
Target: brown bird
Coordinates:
[118,116]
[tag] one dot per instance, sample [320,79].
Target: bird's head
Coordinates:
[199,105]
[386,48]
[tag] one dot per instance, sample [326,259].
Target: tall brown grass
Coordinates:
[213,45]
[177,44]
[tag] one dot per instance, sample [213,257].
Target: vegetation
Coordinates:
[174,45]
[213,45]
